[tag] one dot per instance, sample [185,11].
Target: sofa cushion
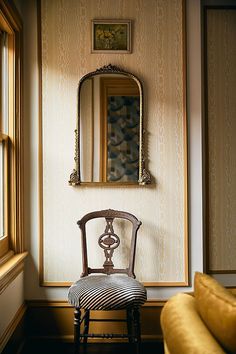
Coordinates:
[217,307]
[183,329]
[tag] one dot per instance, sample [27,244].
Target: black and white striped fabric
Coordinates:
[106,292]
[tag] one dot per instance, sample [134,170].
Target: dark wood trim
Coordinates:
[14,336]
[205,6]
[206,148]
[218,4]
[54,320]
[186,150]
[212,271]
[40,148]
[12,14]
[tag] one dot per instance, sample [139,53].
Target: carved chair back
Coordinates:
[109,241]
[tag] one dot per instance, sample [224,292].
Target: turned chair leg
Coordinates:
[137,330]
[86,325]
[133,326]
[129,317]
[77,316]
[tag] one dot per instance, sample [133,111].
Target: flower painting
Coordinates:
[111,36]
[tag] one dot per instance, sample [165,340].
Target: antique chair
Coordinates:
[111,288]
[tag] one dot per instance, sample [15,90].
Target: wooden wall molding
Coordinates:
[49,280]
[219,170]
[11,328]
[54,320]
[10,269]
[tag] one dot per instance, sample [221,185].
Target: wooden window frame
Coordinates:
[12,243]
[4,242]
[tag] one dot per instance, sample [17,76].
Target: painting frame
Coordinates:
[111,36]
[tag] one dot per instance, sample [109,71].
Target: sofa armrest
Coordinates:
[184,331]
[166,350]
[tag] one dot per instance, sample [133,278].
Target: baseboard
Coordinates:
[53,320]
[13,338]
[70,339]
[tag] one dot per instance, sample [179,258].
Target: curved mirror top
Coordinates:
[109,137]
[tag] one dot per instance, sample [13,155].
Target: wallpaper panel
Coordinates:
[157,59]
[221,53]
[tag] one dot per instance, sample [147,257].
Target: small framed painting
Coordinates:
[111,36]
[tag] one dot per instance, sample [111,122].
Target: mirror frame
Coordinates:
[144,175]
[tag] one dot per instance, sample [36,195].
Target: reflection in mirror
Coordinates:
[109,136]
[109,129]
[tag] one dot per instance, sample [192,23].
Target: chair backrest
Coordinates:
[109,241]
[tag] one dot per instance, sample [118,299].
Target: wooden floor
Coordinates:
[44,347]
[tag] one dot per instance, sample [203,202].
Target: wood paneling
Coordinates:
[14,330]
[55,320]
[220,70]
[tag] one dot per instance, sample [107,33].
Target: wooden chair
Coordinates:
[111,288]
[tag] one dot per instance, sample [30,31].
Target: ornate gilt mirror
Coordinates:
[109,142]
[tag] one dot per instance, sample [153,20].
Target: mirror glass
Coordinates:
[109,137]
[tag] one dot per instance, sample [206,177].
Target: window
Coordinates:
[4,175]
[10,132]
[4,239]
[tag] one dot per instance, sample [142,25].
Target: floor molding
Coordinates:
[54,320]
[8,334]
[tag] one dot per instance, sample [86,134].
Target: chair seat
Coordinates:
[106,292]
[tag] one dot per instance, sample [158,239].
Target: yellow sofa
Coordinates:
[202,323]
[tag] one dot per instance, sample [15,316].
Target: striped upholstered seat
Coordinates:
[107,292]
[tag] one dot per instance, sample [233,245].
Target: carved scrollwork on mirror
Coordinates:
[109,138]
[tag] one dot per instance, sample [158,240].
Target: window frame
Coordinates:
[4,241]
[12,243]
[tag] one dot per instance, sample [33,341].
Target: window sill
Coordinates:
[10,269]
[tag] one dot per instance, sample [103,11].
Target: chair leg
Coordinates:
[77,316]
[129,313]
[137,330]
[86,325]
